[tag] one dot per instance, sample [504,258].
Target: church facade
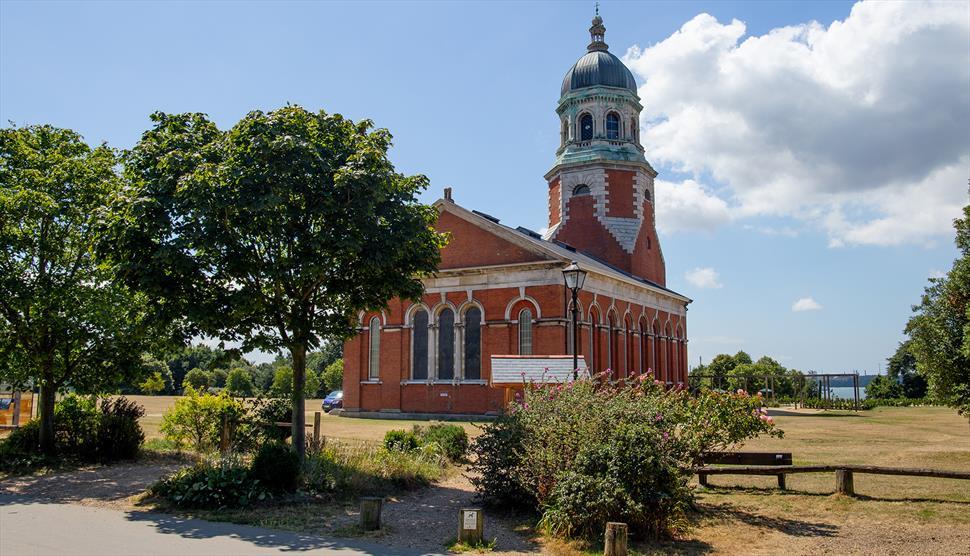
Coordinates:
[499,291]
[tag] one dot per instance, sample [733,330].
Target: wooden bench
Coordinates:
[773,459]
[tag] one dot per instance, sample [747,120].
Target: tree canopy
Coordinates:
[64,319]
[274,233]
[940,328]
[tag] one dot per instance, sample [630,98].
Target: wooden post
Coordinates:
[843,482]
[224,437]
[471,526]
[316,430]
[702,479]
[370,513]
[16,410]
[614,544]
[781,481]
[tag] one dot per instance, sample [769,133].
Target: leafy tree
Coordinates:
[239,383]
[275,233]
[217,378]
[333,376]
[153,384]
[192,357]
[151,366]
[902,368]
[742,358]
[940,328]
[196,379]
[283,383]
[64,319]
[881,387]
[718,368]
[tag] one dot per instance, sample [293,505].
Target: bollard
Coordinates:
[471,526]
[370,513]
[614,543]
[843,482]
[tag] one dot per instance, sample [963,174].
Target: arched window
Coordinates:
[581,189]
[446,344]
[646,194]
[612,348]
[525,332]
[473,344]
[419,345]
[613,126]
[585,127]
[564,133]
[374,359]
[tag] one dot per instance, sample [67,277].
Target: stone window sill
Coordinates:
[372,382]
[470,382]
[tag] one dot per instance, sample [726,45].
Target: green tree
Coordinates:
[239,382]
[217,378]
[64,319]
[192,357]
[153,384]
[718,368]
[283,383]
[333,376]
[196,379]
[275,233]
[881,387]
[940,328]
[151,366]
[901,367]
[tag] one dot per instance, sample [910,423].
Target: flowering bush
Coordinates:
[593,451]
[197,419]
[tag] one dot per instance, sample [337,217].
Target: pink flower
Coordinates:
[666,435]
[740,392]
[764,410]
[659,417]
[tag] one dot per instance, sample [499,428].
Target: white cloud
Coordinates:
[937,273]
[703,278]
[859,128]
[805,304]
[688,206]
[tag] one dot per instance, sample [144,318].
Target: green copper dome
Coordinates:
[598,68]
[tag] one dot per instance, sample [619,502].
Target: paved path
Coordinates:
[33,528]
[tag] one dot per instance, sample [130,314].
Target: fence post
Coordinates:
[843,482]
[316,430]
[471,526]
[702,479]
[614,544]
[224,437]
[370,513]
[16,410]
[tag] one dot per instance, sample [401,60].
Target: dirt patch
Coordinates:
[112,486]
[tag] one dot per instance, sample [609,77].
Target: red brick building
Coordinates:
[500,290]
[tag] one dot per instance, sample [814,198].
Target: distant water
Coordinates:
[845,392]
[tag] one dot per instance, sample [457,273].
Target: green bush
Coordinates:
[333,376]
[400,441]
[269,411]
[594,451]
[75,424]
[224,484]
[197,379]
[197,418]
[239,383]
[451,438]
[276,467]
[119,436]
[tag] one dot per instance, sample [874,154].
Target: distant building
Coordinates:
[499,290]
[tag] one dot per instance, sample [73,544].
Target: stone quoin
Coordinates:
[500,290]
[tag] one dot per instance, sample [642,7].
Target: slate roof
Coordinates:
[598,68]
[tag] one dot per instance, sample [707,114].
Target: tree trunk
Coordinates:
[46,413]
[299,413]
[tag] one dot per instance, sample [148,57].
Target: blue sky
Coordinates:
[799,160]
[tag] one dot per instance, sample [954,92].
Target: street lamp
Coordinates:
[574,277]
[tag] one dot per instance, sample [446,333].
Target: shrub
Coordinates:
[400,441]
[346,470]
[282,386]
[276,467]
[224,484]
[269,411]
[153,384]
[594,451]
[217,378]
[451,438]
[197,419]
[119,435]
[75,424]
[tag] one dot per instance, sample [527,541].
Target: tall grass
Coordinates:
[346,469]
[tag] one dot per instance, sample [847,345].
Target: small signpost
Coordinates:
[471,526]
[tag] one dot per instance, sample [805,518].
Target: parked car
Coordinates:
[334,400]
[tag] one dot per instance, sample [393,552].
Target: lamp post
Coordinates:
[574,277]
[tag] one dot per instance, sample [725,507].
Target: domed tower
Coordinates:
[601,187]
